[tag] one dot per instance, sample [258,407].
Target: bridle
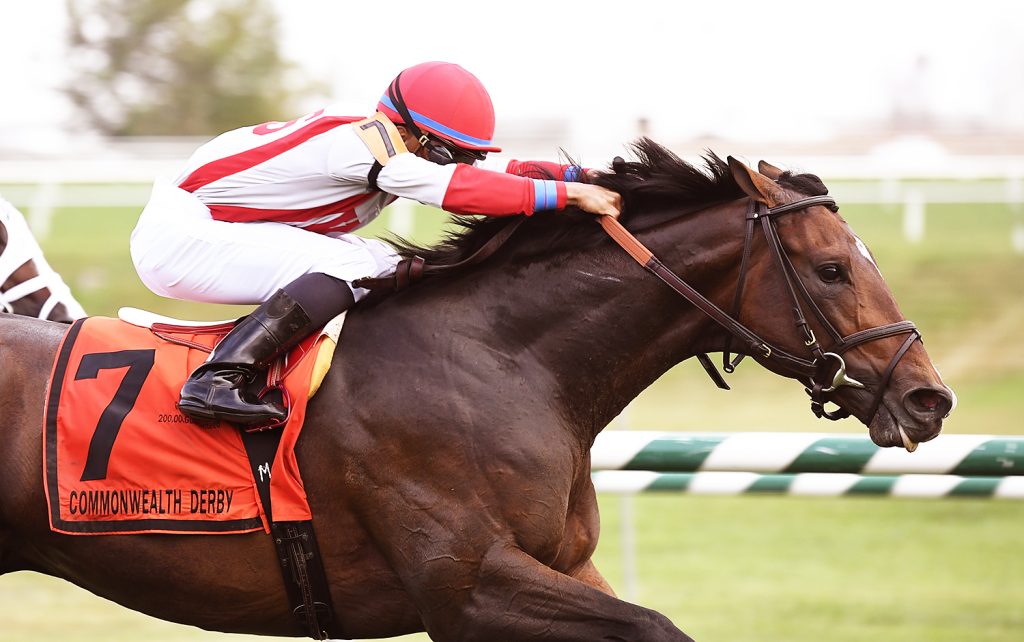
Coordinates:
[825,371]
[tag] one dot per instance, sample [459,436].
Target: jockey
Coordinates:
[264,215]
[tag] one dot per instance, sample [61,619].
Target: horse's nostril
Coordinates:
[931,401]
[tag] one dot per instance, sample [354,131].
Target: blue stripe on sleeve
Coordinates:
[571,173]
[545,195]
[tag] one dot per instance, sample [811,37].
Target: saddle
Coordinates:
[121,458]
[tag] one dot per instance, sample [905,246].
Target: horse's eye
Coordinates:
[830,273]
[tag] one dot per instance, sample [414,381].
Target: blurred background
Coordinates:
[911,112]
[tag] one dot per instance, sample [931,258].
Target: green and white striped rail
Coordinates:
[809,484]
[794,453]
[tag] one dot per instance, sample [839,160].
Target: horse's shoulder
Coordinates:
[28,348]
[29,337]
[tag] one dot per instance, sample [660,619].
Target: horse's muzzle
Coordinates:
[914,417]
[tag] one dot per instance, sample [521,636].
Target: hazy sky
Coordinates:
[737,69]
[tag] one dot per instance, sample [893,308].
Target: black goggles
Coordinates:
[444,154]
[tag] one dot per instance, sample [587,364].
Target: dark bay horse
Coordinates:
[447,454]
[28,285]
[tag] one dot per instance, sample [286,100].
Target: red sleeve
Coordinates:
[544,169]
[479,191]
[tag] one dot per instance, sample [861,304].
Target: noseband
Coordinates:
[822,373]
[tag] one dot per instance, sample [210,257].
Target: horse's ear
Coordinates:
[758,187]
[769,170]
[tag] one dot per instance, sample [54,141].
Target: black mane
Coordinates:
[808,184]
[657,180]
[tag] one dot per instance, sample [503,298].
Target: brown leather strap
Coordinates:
[728,363]
[884,382]
[788,277]
[871,334]
[298,555]
[645,257]
[814,371]
[801,204]
[410,271]
[628,242]
[305,581]
[709,367]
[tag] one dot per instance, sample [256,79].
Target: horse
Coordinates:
[446,456]
[28,285]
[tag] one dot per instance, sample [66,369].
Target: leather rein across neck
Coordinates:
[825,371]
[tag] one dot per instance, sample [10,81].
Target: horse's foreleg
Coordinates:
[515,597]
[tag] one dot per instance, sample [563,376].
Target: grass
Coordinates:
[725,569]
[738,569]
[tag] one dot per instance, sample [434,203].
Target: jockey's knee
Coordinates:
[152,272]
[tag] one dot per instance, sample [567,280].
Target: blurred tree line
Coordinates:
[179,67]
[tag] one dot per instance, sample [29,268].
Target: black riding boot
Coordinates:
[217,390]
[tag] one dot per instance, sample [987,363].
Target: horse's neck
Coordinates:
[593,329]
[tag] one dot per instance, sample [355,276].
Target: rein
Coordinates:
[409,271]
[815,372]
[822,374]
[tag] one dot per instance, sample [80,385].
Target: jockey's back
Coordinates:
[309,172]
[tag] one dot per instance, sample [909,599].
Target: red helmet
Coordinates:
[445,100]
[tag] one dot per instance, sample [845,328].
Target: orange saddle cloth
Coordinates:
[120,458]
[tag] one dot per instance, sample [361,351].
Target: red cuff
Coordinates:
[478,191]
[544,170]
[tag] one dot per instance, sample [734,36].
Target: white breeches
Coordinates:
[181,252]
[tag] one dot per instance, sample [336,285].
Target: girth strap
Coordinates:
[298,554]
[304,578]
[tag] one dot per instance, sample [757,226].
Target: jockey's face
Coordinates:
[439,151]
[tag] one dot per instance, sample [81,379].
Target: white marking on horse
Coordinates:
[863,249]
